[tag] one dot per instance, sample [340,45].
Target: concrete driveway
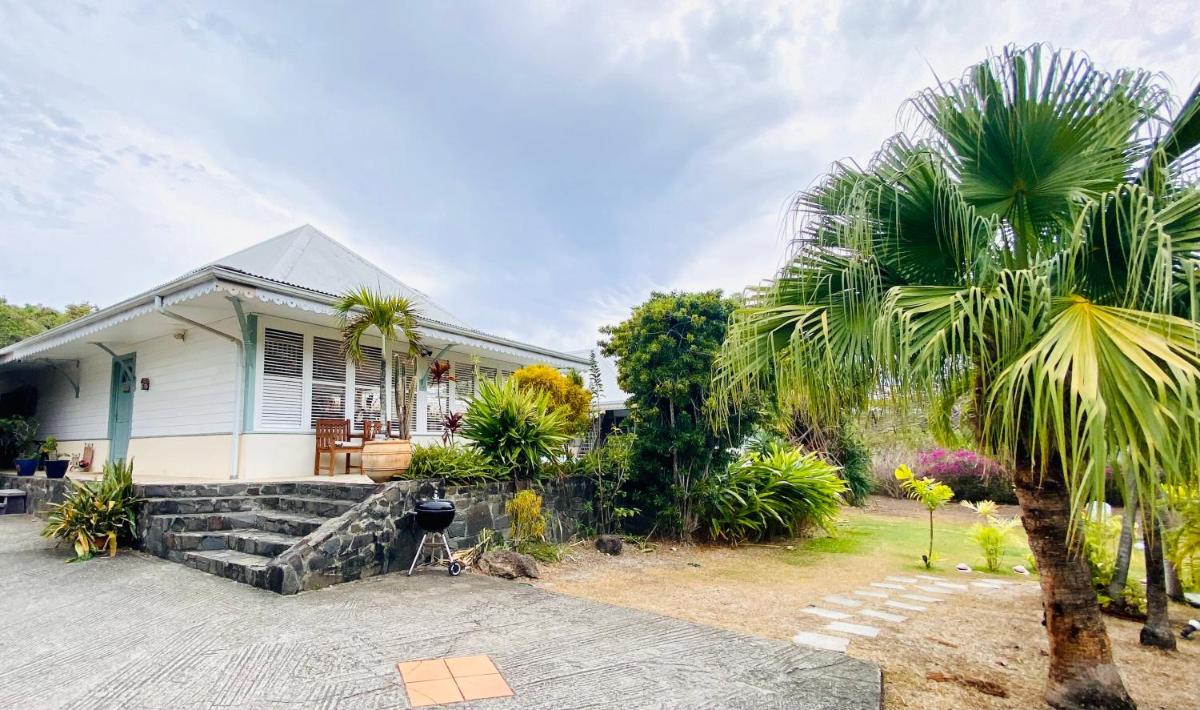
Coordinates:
[140,632]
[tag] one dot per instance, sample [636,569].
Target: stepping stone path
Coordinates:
[825,613]
[856,629]
[868,593]
[825,642]
[843,623]
[886,616]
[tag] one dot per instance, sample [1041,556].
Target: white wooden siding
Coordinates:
[66,418]
[191,384]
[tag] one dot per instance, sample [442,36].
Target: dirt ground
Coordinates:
[995,637]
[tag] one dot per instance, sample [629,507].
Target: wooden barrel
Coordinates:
[381,460]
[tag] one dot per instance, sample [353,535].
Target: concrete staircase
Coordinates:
[236,530]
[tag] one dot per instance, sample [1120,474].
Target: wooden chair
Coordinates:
[333,438]
[371,428]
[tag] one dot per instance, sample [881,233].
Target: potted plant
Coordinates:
[364,312]
[55,467]
[16,436]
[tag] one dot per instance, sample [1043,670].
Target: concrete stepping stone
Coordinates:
[825,613]
[921,598]
[842,601]
[887,585]
[886,616]
[904,580]
[869,593]
[987,585]
[856,629]
[824,642]
[902,605]
[951,585]
[935,590]
[930,577]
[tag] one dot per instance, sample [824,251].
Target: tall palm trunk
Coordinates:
[1082,672]
[1157,630]
[1120,578]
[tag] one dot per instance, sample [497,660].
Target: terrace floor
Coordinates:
[137,631]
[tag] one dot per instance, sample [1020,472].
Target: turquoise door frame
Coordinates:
[120,405]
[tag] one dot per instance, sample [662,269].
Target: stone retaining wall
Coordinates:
[380,535]
[40,491]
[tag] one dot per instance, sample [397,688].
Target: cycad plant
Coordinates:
[1030,248]
[365,313]
[991,533]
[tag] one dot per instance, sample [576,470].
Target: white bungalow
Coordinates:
[221,373]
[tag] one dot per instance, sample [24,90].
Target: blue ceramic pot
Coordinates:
[25,467]
[56,469]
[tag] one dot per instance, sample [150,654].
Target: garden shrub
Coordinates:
[767,495]
[566,395]
[970,475]
[609,465]
[1100,536]
[97,516]
[851,452]
[515,428]
[526,519]
[459,465]
[885,459]
[992,533]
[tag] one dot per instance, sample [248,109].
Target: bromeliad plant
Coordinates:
[930,493]
[992,533]
[97,516]
[1029,249]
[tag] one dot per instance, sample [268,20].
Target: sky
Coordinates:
[538,168]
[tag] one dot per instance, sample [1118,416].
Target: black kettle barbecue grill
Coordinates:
[433,517]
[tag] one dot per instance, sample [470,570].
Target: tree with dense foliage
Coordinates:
[665,351]
[20,322]
[1030,249]
[365,312]
[566,394]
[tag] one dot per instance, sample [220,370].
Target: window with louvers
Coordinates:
[488,373]
[328,380]
[368,405]
[283,379]
[464,384]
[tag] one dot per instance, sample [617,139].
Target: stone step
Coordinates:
[885,615]
[197,504]
[260,542]
[287,523]
[213,490]
[195,522]
[906,607]
[842,601]
[356,492]
[857,629]
[825,613]
[311,505]
[231,564]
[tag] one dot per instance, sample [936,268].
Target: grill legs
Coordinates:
[433,539]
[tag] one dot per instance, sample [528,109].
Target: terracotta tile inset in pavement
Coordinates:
[439,681]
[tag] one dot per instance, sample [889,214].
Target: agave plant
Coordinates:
[1031,248]
[515,427]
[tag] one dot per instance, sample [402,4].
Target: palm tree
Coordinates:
[1031,250]
[392,318]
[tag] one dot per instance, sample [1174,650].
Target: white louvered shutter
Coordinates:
[328,380]
[368,405]
[283,379]
[488,373]
[464,385]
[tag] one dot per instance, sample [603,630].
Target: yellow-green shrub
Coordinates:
[568,397]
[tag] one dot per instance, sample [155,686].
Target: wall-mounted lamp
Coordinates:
[145,384]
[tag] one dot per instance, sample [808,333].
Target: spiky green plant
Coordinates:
[992,533]
[1031,248]
[777,491]
[97,516]
[515,427]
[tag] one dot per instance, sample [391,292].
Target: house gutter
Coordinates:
[239,363]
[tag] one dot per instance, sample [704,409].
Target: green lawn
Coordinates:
[902,541]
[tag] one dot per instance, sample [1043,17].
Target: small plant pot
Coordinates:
[56,469]
[25,467]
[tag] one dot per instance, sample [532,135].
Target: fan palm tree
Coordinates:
[393,318]
[1031,251]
